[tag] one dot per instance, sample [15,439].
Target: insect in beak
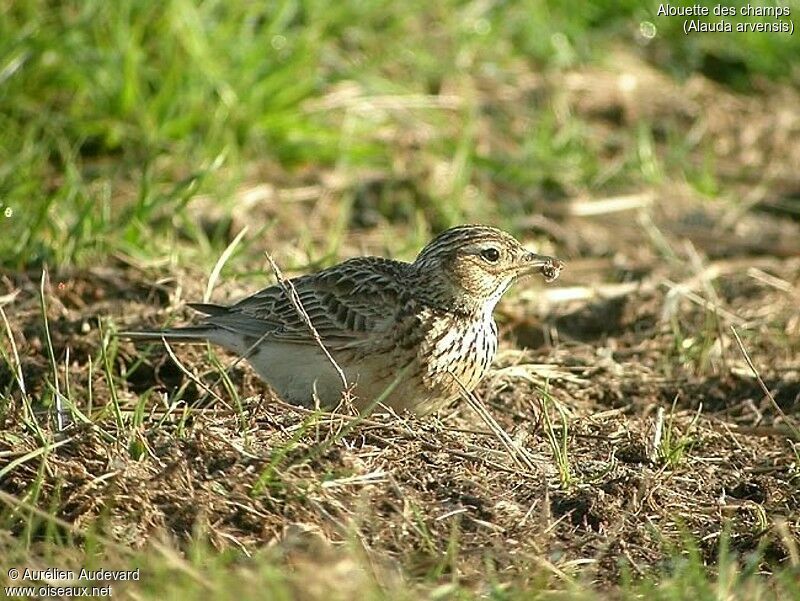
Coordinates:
[549,267]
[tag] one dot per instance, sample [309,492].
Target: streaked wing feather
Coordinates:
[347,303]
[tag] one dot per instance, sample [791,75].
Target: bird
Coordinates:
[413,335]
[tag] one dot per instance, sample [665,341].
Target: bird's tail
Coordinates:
[187,334]
[198,333]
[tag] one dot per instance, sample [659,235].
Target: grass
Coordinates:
[160,571]
[136,136]
[203,571]
[675,445]
[559,441]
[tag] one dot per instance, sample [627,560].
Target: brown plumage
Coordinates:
[414,326]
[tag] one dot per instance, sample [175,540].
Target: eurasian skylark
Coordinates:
[415,329]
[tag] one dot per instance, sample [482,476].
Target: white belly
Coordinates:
[301,372]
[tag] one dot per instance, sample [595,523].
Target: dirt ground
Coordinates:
[627,366]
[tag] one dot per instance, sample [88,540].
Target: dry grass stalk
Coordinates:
[657,434]
[7,299]
[59,407]
[789,422]
[220,263]
[770,280]
[567,294]
[352,100]
[192,377]
[612,204]
[15,353]
[294,298]
[517,453]
[682,290]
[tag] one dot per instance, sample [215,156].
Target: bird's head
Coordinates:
[476,264]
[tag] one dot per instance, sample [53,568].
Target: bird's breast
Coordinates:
[463,347]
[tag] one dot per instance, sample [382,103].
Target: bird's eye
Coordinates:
[490,254]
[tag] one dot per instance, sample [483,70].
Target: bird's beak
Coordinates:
[549,267]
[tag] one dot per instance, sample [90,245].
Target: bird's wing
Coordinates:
[346,304]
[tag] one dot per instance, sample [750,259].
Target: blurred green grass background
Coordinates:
[115,115]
